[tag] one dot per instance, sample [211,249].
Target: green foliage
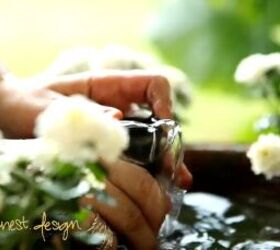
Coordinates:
[31,194]
[208,38]
[98,170]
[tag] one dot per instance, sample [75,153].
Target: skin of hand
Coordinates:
[116,89]
[141,203]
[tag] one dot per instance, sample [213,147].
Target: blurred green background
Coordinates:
[205,38]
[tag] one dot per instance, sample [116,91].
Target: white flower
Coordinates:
[7,163]
[5,176]
[123,58]
[253,68]
[73,60]
[11,153]
[265,155]
[83,59]
[76,130]
[1,135]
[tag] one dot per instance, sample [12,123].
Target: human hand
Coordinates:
[140,206]
[22,101]
[118,89]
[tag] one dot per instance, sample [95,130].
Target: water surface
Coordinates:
[241,221]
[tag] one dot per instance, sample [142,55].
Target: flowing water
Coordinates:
[249,220]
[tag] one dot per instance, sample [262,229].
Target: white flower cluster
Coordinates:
[123,58]
[265,156]
[120,58]
[73,61]
[6,162]
[76,130]
[14,151]
[252,69]
[72,129]
[110,57]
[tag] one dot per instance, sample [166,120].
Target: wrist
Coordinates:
[17,110]
[20,106]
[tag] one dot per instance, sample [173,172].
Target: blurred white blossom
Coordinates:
[5,175]
[76,130]
[72,129]
[12,152]
[119,57]
[265,155]
[253,69]
[83,59]
[124,58]
[73,61]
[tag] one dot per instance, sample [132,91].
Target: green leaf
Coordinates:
[11,211]
[99,172]
[208,38]
[23,163]
[22,176]
[82,215]
[64,169]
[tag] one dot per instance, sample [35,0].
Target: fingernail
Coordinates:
[184,180]
[115,113]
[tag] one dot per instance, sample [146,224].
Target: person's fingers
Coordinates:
[68,84]
[175,169]
[134,87]
[119,89]
[124,217]
[183,178]
[95,224]
[142,189]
